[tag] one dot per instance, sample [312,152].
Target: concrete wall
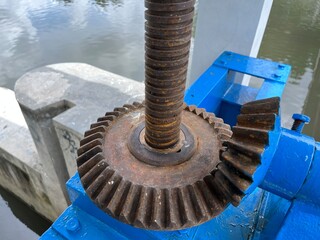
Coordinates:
[21,171]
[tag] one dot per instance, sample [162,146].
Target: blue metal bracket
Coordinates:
[217,91]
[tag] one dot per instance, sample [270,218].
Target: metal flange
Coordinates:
[143,194]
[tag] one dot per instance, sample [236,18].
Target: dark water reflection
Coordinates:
[17,220]
[109,34]
[293,37]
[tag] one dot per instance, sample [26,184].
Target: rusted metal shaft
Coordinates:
[168,34]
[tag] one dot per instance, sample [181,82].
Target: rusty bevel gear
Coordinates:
[243,153]
[150,197]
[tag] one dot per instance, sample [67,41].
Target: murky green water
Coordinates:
[109,34]
[293,37]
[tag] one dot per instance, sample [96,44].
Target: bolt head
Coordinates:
[276,75]
[73,224]
[301,117]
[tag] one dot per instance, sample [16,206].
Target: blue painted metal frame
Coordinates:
[289,172]
[216,90]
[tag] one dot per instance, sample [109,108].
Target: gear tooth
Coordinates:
[184,106]
[270,105]
[223,129]
[241,182]
[215,121]
[212,203]
[251,135]
[93,173]
[115,205]
[90,138]
[250,151]
[192,108]
[258,121]
[173,219]
[219,124]
[139,223]
[242,163]
[130,206]
[114,113]
[231,192]
[211,114]
[105,123]
[90,164]
[266,100]
[121,109]
[100,129]
[223,137]
[199,111]
[158,211]
[216,191]
[108,191]
[87,155]
[204,115]
[187,211]
[105,118]
[89,145]
[200,207]
[142,218]
[211,120]
[129,106]
[137,104]
[94,189]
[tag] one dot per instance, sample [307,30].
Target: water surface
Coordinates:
[293,36]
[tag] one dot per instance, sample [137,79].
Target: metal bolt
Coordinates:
[277,75]
[299,121]
[73,224]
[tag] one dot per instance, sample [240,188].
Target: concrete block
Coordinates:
[21,171]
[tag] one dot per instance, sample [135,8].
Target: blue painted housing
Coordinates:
[283,201]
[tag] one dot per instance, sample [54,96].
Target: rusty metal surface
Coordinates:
[144,153]
[168,34]
[242,153]
[151,197]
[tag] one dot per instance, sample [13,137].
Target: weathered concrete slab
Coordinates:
[21,171]
[59,102]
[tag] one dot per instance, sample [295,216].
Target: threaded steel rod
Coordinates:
[168,34]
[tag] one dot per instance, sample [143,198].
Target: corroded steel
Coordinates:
[168,33]
[145,196]
[243,152]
